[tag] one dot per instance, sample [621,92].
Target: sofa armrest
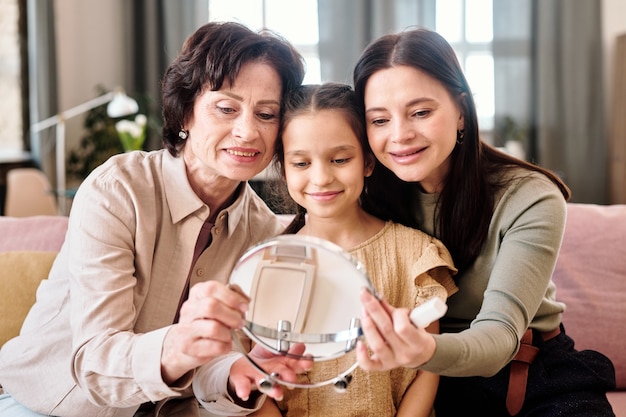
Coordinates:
[38,233]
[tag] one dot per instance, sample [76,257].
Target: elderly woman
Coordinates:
[136,300]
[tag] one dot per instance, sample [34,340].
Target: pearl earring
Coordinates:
[183,134]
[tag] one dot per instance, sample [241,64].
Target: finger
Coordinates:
[211,330]
[363,358]
[403,328]
[373,307]
[276,392]
[297,349]
[387,307]
[203,339]
[207,349]
[242,386]
[383,317]
[301,362]
[305,364]
[375,340]
[210,308]
[233,297]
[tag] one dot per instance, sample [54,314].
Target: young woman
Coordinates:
[324,157]
[502,220]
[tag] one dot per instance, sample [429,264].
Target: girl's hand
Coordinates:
[244,377]
[392,339]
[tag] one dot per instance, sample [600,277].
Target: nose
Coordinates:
[402,131]
[245,127]
[320,175]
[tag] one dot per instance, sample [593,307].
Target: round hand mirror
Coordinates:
[302,290]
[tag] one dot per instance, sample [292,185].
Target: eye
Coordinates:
[379,121]
[299,164]
[421,113]
[226,110]
[267,116]
[341,161]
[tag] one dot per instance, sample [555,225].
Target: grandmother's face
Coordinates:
[233,130]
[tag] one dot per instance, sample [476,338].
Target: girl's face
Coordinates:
[233,130]
[324,164]
[412,124]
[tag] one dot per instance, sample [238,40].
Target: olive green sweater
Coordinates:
[509,287]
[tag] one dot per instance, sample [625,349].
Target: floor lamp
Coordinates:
[119,105]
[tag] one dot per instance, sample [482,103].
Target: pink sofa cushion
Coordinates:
[37,233]
[591,279]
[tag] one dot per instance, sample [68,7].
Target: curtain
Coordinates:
[156,33]
[568,98]
[346,27]
[512,50]
[618,124]
[548,81]
[41,76]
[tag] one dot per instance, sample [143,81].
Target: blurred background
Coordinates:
[548,76]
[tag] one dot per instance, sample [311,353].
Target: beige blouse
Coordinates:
[407,267]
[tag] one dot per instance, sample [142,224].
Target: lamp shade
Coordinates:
[121,105]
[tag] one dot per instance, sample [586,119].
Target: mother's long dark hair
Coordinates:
[470,187]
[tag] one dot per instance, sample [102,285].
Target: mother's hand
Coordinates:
[392,339]
[203,328]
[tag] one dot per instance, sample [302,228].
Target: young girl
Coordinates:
[325,160]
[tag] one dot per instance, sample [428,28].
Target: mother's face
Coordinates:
[233,130]
[412,124]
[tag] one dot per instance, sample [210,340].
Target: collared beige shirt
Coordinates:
[91,344]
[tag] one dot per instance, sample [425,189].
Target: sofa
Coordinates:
[590,275]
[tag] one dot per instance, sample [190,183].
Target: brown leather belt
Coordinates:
[519,369]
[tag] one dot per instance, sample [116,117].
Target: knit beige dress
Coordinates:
[407,267]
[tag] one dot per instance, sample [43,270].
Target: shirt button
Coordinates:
[200,272]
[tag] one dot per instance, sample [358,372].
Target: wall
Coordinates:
[614,24]
[10,105]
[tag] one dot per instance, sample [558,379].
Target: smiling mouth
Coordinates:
[324,193]
[400,155]
[241,153]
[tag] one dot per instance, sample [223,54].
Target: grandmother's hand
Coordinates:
[392,339]
[203,329]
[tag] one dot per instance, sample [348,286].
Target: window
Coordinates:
[295,20]
[11,129]
[467,25]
